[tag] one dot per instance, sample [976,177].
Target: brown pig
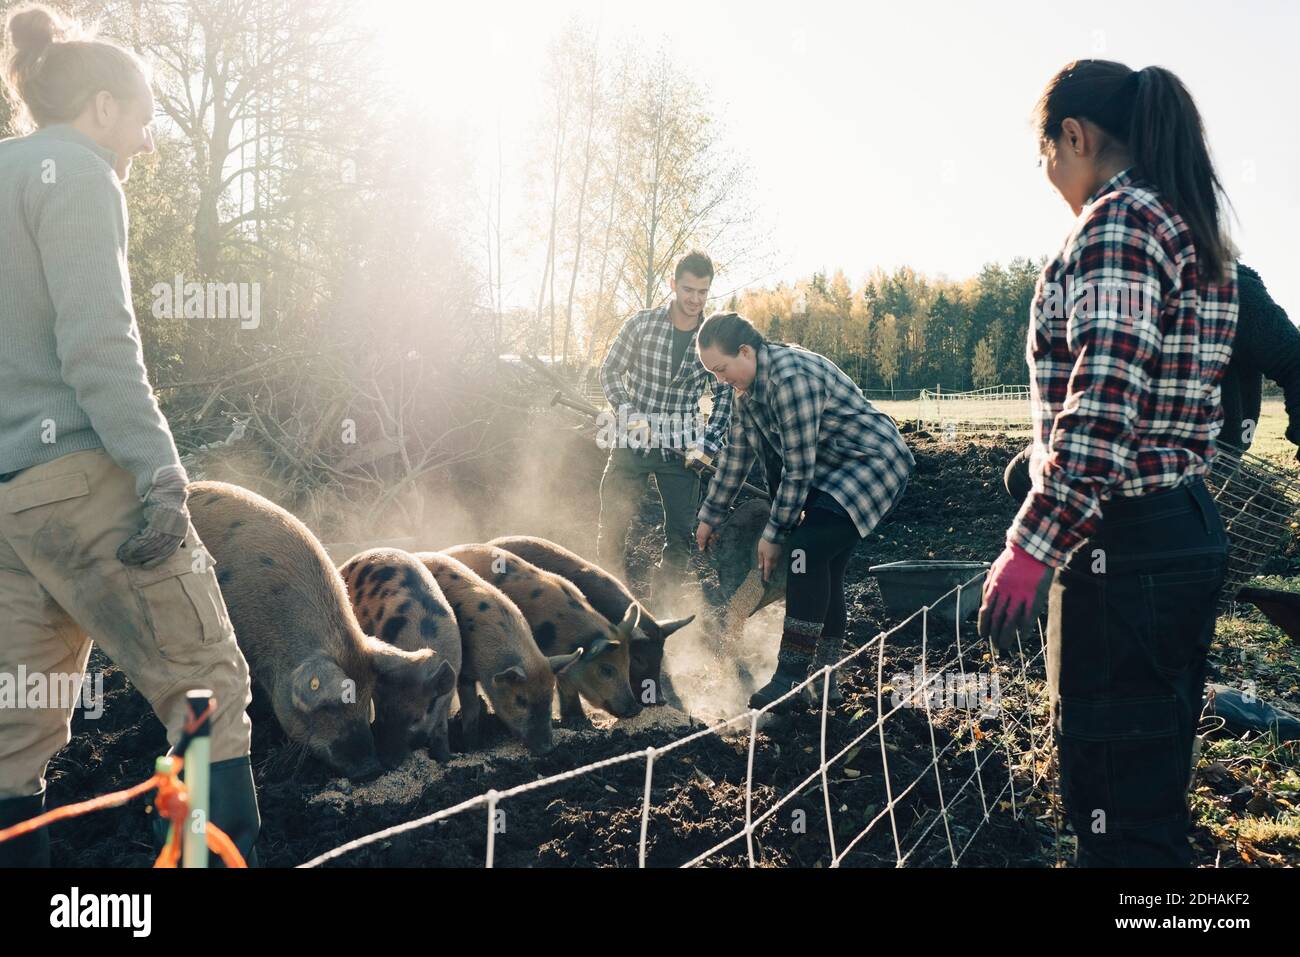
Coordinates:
[396,599]
[499,653]
[611,598]
[295,626]
[563,621]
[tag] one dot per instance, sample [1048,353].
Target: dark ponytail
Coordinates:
[1151,113]
[728,331]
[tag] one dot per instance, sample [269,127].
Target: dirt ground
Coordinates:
[955,508]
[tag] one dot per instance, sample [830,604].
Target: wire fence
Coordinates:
[1259,503]
[985,734]
[999,407]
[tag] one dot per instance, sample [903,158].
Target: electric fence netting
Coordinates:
[1259,503]
[955,747]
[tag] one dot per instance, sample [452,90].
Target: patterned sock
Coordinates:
[799,642]
[830,649]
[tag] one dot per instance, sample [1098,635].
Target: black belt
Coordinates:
[6,476]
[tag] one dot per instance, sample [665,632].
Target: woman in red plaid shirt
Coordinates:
[1131,328]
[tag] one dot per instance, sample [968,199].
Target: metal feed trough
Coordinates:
[908,585]
[1258,502]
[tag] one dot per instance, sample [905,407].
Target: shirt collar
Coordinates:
[1123,178]
[762,365]
[665,314]
[70,134]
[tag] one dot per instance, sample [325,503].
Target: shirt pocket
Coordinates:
[182,601]
[849,449]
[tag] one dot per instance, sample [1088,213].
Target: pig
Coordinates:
[296,628]
[396,599]
[611,598]
[499,653]
[563,621]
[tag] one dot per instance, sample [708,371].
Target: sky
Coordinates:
[888,134]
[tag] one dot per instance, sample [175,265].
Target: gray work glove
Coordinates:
[166,520]
[698,460]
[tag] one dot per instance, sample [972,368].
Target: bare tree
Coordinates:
[682,188]
[616,143]
[591,107]
[559,93]
[267,94]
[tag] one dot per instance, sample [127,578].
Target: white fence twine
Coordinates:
[1018,735]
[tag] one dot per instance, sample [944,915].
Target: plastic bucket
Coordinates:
[907,586]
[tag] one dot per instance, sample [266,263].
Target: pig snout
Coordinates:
[390,742]
[539,739]
[626,706]
[540,745]
[367,771]
[439,749]
[354,755]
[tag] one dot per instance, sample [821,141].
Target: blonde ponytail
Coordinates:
[54,67]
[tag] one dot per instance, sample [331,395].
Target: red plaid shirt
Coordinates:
[1127,343]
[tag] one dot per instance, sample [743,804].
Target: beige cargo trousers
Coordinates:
[61,584]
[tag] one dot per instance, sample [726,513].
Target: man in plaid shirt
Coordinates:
[654,381]
[835,464]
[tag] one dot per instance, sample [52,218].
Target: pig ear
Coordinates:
[443,678]
[601,645]
[666,628]
[631,618]
[315,682]
[654,633]
[512,675]
[562,663]
[390,661]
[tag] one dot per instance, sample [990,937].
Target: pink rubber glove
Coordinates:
[1015,592]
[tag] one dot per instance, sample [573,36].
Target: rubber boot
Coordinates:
[30,850]
[791,669]
[234,804]
[829,650]
[793,662]
[233,801]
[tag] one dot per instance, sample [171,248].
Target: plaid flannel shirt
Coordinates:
[1128,341]
[637,377]
[827,434]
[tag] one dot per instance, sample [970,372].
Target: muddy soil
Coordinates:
[954,508]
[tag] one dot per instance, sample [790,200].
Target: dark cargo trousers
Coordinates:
[621,488]
[1130,621]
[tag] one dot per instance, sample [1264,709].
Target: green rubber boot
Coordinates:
[234,804]
[30,850]
[233,800]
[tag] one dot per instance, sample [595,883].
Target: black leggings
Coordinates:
[818,552]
